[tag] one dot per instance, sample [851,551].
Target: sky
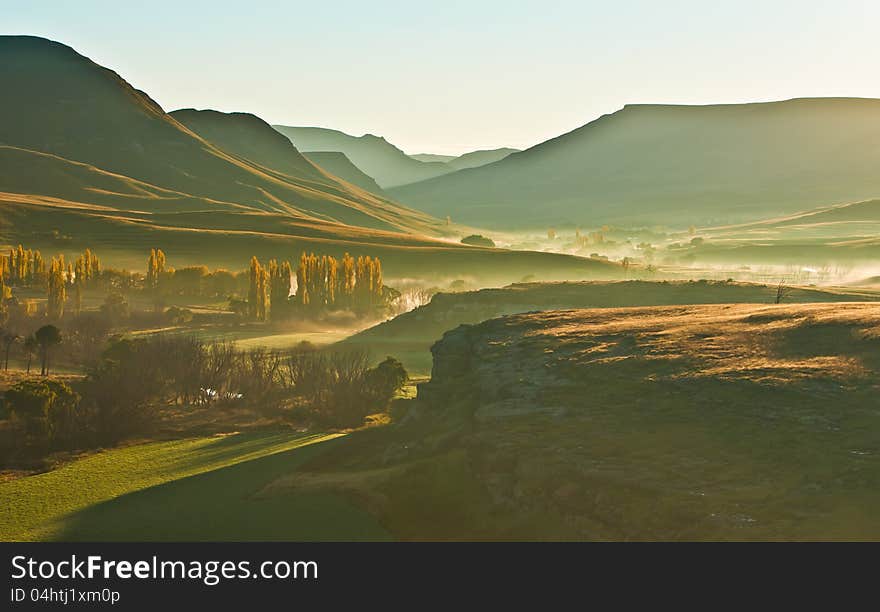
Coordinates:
[453,76]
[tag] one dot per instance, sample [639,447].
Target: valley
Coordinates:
[661,325]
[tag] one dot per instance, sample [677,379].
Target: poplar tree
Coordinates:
[263,305]
[79,279]
[302,288]
[253,287]
[57,289]
[39,268]
[279,288]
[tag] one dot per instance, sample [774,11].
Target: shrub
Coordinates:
[478,240]
[49,411]
[178,316]
[385,380]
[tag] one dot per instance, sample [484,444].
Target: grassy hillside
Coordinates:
[410,335]
[709,422]
[228,239]
[184,490]
[374,155]
[843,235]
[663,164]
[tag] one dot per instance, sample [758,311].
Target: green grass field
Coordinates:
[194,489]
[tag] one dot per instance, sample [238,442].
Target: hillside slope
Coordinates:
[706,422]
[674,165]
[409,336]
[60,103]
[374,155]
[475,159]
[339,165]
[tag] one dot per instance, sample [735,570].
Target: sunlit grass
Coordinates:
[194,489]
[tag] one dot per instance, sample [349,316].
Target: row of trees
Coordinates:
[322,283]
[26,267]
[22,266]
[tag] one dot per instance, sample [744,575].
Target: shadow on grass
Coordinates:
[221,504]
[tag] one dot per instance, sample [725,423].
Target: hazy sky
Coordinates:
[451,76]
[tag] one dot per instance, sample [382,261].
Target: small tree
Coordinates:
[781,292]
[48,410]
[47,337]
[9,338]
[31,348]
[385,380]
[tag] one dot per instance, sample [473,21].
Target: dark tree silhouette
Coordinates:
[47,337]
[9,338]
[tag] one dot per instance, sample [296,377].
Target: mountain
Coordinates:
[666,164]
[431,157]
[251,138]
[374,155]
[62,105]
[339,165]
[475,159]
[248,137]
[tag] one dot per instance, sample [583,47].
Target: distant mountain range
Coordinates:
[474,159]
[431,157]
[381,160]
[663,164]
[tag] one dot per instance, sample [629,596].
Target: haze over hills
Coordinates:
[339,165]
[374,155]
[251,138]
[431,157]
[666,164]
[474,159]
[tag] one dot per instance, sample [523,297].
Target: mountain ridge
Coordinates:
[662,164]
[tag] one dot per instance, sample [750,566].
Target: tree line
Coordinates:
[274,291]
[323,283]
[127,390]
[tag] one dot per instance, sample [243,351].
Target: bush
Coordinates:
[178,316]
[49,412]
[385,380]
[478,240]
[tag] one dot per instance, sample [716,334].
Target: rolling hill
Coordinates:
[409,336]
[702,422]
[673,165]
